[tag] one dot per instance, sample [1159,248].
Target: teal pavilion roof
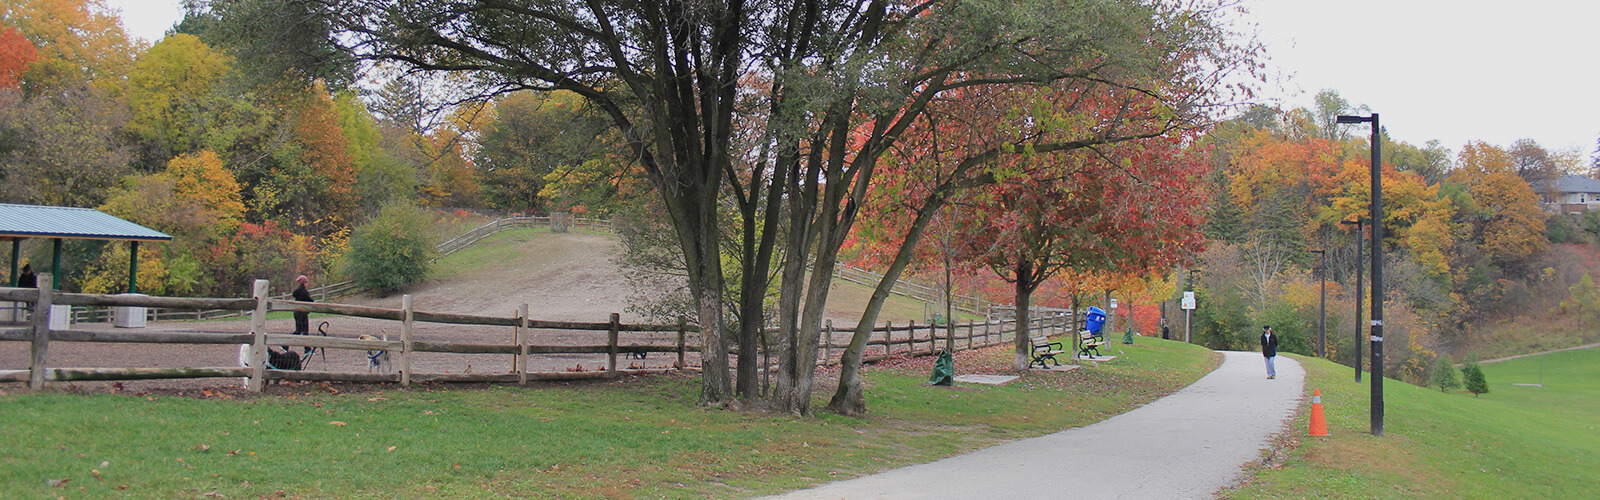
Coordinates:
[35,221]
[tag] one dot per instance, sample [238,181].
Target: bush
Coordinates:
[392,250]
[1444,375]
[1472,376]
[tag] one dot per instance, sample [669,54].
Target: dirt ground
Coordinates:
[563,277]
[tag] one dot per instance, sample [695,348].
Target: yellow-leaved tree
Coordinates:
[171,93]
[1510,226]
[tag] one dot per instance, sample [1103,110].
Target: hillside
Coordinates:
[571,277]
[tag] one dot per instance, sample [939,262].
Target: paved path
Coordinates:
[1186,445]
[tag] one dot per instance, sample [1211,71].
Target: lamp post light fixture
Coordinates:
[1322,312]
[1377,268]
[1361,234]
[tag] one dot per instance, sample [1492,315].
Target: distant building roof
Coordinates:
[34,221]
[1577,184]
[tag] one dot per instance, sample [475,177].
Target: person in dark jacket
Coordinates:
[27,279]
[302,321]
[1269,348]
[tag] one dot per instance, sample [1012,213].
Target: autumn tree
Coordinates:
[80,43]
[172,93]
[849,78]
[1122,209]
[16,53]
[62,149]
[533,136]
[198,201]
[1509,223]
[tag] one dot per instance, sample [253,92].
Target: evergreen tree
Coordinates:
[1473,377]
[1444,375]
[1226,221]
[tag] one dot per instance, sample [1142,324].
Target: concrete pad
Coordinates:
[1097,359]
[1061,368]
[985,379]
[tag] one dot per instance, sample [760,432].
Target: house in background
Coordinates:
[1574,194]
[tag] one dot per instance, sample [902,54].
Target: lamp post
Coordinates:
[1186,312]
[1322,312]
[1377,269]
[1361,234]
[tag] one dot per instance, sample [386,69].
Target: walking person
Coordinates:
[1269,349]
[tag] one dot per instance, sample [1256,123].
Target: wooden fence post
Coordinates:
[911,338]
[683,332]
[521,337]
[41,333]
[405,339]
[827,349]
[985,332]
[611,343]
[258,337]
[888,337]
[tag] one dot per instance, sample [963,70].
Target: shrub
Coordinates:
[1444,375]
[392,250]
[1472,376]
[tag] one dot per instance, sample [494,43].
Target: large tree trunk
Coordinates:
[795,369]
[849,398]
[1024,293]
[706,283]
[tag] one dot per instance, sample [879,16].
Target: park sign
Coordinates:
[1188,301]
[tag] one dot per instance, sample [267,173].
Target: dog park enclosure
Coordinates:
[619,338]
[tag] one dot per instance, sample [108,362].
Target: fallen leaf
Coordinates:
[338,423]
[203,447]
[391,448]
[379,398]
[57,483]
[232,453]
[458,466]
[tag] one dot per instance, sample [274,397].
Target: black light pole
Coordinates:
[1361,234]
[1377,270]
[1322,312]
[1187,324]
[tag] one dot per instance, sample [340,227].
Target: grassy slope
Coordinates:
[1514,442]
[636,437]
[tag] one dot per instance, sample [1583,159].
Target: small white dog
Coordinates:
[377,360]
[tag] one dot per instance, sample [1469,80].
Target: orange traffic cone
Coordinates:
[1319,426]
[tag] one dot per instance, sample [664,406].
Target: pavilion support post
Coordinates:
[16,255]
[133,266]
[55,263]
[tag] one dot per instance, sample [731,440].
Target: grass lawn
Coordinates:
[635,437]
[1513,442]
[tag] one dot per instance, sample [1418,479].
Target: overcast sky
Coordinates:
[1457,70]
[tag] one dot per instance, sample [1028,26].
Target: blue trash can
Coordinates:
[1095,320]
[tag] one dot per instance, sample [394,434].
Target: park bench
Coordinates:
[1090,341]
[1045,350]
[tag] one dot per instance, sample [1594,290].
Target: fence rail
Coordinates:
[888,340]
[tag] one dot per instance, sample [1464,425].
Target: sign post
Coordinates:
[1188,305]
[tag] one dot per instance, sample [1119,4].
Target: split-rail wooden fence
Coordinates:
[917,340]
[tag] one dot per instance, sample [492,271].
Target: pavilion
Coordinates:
[19,222]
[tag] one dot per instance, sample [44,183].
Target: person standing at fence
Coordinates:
[1269,348]
[302,321]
